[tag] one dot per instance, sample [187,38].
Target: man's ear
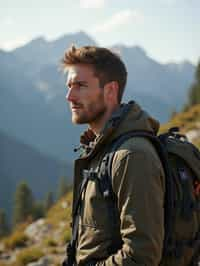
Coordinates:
[111,90]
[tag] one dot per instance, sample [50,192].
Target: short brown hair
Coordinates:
[107,65]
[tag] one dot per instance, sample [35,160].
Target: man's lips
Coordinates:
[76,107]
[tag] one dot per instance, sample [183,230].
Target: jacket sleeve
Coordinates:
[139,186]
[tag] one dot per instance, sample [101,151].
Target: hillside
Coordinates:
[43,240]
[47,237]
[188,122]
[19,161]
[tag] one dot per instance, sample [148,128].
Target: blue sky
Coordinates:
[169,30]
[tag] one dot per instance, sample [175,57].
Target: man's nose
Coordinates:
[70,96]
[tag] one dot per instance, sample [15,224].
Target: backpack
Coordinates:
[181,164]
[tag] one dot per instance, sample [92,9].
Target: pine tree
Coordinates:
[194,91]
[38,210]
[23,204]
[62,187]
[49,201]
[3,224]
[194,94]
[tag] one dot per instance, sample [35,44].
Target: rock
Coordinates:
[38,230]
[2,247]
[193,134]
[64,204]
[62,224]
[4,256]
[44,261]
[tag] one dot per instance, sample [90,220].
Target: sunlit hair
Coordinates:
[107,65]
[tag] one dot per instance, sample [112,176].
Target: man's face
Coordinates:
[84,95]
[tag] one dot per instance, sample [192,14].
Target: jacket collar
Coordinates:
[89,141]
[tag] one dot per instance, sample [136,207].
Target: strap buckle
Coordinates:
[90,174]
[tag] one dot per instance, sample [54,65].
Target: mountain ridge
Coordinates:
[35,93]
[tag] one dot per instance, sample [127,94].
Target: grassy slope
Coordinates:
[186,121]
[53,243]
[59,216]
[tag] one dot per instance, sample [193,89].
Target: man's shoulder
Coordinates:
[139,150]
[136,145]
[137,156]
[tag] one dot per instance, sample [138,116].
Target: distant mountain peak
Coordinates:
[40,39]
[185,65]
[79,33]
[37,42]
[79,38]
[134,49]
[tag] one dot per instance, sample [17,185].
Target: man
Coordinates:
[134,234]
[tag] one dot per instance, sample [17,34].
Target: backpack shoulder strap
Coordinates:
[106,174]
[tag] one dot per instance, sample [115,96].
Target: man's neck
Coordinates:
[97,126]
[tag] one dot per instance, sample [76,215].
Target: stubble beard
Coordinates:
[93,114]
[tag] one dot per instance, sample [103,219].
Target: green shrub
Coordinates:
[57,213]
[3,264]
[17,239]
[54,251]
[28,255]
[66,236]
[50,242]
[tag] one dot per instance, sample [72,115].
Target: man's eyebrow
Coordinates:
[78,82]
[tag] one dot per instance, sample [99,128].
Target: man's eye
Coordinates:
[82,85]
[76,85]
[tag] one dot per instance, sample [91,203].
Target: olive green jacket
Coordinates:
[138,183]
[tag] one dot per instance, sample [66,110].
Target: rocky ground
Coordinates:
[42,235]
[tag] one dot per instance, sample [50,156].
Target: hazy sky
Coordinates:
[169,30]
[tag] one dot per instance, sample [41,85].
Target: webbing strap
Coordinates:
[177,249]
[169,198]
[71,249]
[188,203]
[111,202]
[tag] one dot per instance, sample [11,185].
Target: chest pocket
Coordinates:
[94,211]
